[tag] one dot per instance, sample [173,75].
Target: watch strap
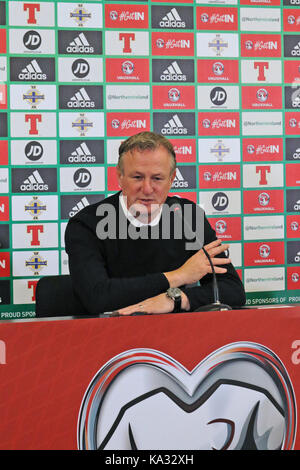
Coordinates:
[175,295]
[177,304]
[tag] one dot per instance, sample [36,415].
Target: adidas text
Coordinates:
[173,77]
[34,187]
[81,104]
[171,24]
[32,76]
[76,49]
[173,131]
[82,159]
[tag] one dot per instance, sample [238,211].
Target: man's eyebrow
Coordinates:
[137,172]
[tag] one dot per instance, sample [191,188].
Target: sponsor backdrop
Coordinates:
[220,78]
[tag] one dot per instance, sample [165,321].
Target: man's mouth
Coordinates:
[147,201]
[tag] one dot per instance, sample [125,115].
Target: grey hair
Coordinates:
[146,141]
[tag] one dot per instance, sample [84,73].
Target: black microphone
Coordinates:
[216,305]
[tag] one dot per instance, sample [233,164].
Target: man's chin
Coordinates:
[144,210]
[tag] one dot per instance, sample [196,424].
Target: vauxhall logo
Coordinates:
[127,67]
[264,251]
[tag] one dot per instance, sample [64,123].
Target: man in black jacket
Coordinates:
[139,249]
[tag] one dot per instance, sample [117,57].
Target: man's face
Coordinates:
[146,180]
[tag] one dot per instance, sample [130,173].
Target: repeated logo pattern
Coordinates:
[220,80]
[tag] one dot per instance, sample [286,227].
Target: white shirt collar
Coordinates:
[133,220]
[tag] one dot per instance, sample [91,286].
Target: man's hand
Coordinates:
[197,266]
[159,304]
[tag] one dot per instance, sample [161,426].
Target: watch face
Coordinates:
[174,292]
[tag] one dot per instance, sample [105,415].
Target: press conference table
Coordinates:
[62,378]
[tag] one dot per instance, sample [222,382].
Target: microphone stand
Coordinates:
[216,305]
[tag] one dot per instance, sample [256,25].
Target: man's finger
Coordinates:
[220,270]
[220,260]
[213,244]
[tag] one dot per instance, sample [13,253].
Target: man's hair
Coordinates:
[146,141]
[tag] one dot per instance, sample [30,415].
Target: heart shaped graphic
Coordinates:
[238,397]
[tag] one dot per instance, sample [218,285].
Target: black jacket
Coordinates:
[112,273]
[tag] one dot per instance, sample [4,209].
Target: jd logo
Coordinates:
[82,177]
[32,40]
[34,150]
[218,96]
[80,68]
[220,201]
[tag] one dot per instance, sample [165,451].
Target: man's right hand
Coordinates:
[197,266]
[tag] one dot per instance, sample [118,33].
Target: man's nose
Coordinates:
[147,186]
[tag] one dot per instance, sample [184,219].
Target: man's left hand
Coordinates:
[158,304]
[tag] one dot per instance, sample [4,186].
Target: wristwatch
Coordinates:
[175,294]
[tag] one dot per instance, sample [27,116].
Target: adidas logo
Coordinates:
[174,126]
[179,181]
[81,100]
[172,20]
[296,50]
[173,73]
[80,205]
[82,154]
[32,72]
[34,183]
[295,98]
[296,154]
[80,45]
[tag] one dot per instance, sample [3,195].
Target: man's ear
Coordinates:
[119,176]
[173,174]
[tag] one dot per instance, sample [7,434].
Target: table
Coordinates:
[226,379]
